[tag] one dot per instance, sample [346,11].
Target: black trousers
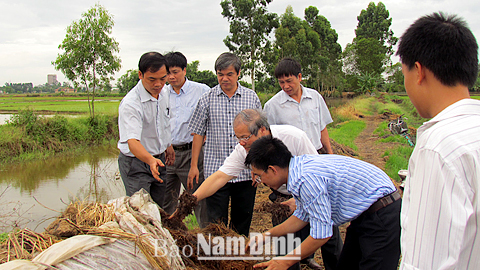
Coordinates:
[242,195]
[331,250]
[136,175]
[373,240]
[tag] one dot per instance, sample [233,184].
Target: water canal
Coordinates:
[32,194]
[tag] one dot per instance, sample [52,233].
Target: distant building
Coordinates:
[52,79]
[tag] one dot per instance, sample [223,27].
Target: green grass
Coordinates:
[346,132]
[397,159]
[3,237]
[364,105]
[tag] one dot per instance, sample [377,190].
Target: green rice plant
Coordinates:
[191,222]
[346,132]
[397,159]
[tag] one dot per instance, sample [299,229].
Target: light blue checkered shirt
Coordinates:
[332,190]
[213,117]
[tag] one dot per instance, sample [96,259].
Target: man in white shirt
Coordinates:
[440,214]
[299,106]
[144,128]
[184,95]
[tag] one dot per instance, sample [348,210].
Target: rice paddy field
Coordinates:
[58,104]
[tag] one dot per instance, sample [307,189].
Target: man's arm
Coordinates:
[196,148]
[141,153]
[308,246]
[325,139]
[211,185]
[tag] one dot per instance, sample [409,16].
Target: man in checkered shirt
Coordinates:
[213,118]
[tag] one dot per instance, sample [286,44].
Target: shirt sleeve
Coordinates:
[129,122]
[325,117]
[234,164]
[314,207]
[198,122]
[270,113]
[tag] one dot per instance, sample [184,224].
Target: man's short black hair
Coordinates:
[444,45]
[268,151]
[176,59]
[152,61]
[286,67]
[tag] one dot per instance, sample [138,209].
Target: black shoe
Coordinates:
[310,262]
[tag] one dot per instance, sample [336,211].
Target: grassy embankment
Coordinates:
[29,136]
[347,126]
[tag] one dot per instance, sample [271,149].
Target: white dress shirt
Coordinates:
[310,115]
[440,215]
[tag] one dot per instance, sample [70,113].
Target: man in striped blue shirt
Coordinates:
[332,190]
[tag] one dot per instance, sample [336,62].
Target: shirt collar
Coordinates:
[145,95]
[218,90]
[284,97]
[461,107]
[185,89]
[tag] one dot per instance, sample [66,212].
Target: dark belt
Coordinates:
[382,202]
[182,147]
[158,156]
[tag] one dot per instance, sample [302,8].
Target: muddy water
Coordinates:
[33,194]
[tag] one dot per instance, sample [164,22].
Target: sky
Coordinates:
[32,30]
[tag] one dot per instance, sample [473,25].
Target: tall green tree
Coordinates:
[327,72]
[250,26]
[88,59]
[372,47]
[313,43]
[127,81]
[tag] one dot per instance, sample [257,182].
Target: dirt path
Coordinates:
[368,148]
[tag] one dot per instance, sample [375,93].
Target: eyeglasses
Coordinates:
[243,139]
[258,177]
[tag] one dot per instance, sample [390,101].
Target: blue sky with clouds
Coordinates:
[31,30]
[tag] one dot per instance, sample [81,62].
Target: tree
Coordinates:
[88,58]
[395,79]
[250,26]
[202,76]
[327,72]
[372,46]
[128,80]
[313,43]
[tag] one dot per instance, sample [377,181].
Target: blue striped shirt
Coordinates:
[333,189]
[213,117]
